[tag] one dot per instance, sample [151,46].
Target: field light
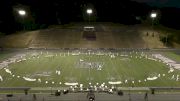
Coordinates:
[153,15]
[89,11]
[22,12]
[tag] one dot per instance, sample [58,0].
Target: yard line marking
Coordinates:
[114,69]
[99,77]
[72,68]
[104,59]
[80,74]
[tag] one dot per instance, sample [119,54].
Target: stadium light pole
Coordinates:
[153,16]
[22,13]
[89,12]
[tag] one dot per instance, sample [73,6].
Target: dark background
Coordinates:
[43,13]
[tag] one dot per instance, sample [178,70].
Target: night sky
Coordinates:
[42,13]
[161,3]
[47,12]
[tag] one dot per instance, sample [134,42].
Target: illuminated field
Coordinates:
[63,68]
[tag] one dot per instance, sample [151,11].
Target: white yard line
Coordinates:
[114,69]
[89,71]
[104,59]
[99,75]
[80,74]
[71,71]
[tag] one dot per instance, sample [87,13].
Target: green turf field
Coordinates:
[129,68]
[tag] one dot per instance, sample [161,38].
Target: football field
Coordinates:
[97,68]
